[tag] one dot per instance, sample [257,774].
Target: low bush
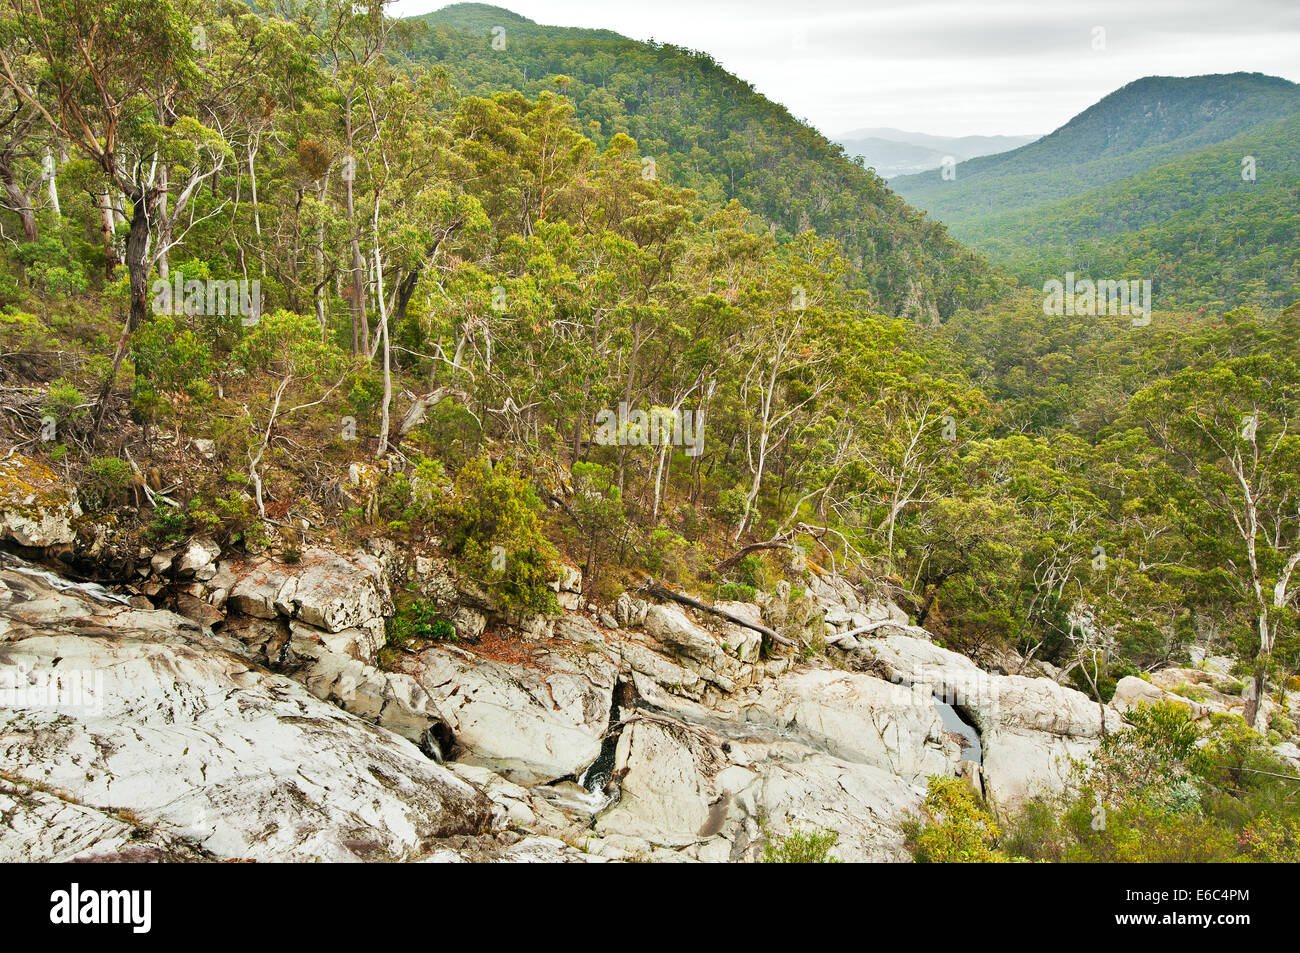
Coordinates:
[801,847]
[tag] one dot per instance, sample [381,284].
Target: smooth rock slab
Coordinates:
[199,744]
[865,806]
[44,827]
[1020,764]
[532,725]
[859,718]
[668,791]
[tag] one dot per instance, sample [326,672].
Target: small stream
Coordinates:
[592,793]
[93,590]
[596,778]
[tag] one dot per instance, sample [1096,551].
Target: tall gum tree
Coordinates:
[104,72]
[1232,435]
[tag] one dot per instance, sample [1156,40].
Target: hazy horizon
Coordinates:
[1000,67]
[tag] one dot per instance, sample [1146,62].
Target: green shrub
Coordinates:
[170,360]
[1279,722]
[1035,832]
[731,505]
[492,521]
[366,393]
[230,519]
[105,482]
[736,592]
[9,291]
[64,401]
[663,552]
[414,498]
[956,827]
[1271,840]
[1154,761]
[418,619]
[1142,832]
[51,267]
[751,572]
[802,847]
[395,497]
[428,484]
[1167,790]
[170,523]
[59,280]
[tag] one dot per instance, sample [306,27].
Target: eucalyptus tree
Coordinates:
[1232,438]
[104,73]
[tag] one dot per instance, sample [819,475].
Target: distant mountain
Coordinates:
[893,152]
[1206,234]
[710,131]
[1151,182]
[1146,123]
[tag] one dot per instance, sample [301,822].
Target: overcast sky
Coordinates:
[947,67]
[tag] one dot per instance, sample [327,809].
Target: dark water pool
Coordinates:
[971,749]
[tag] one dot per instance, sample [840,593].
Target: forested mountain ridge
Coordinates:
[1147,122]
[1212,228]
[1190,183]
[708,130]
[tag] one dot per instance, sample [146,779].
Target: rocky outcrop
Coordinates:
[635,732]
[845,610]
[862,719]
[327,590]
[716,798]
[530,723]
[670,792]
[725,661]
[255,765]
[37,509]
[1132,692]
[1031,729]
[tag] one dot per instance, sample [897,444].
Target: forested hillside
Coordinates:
[1191,183]
[708,130]
[278,278]
[1207,234]
[1148,122]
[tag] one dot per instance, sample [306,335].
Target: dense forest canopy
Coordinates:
[708,130]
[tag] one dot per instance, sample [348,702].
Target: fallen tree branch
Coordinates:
[144,485]
[776,542]
[421,405]
[884,623]
[663,592]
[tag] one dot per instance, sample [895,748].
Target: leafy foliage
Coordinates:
[493,523]
[956,827]
[801,847]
